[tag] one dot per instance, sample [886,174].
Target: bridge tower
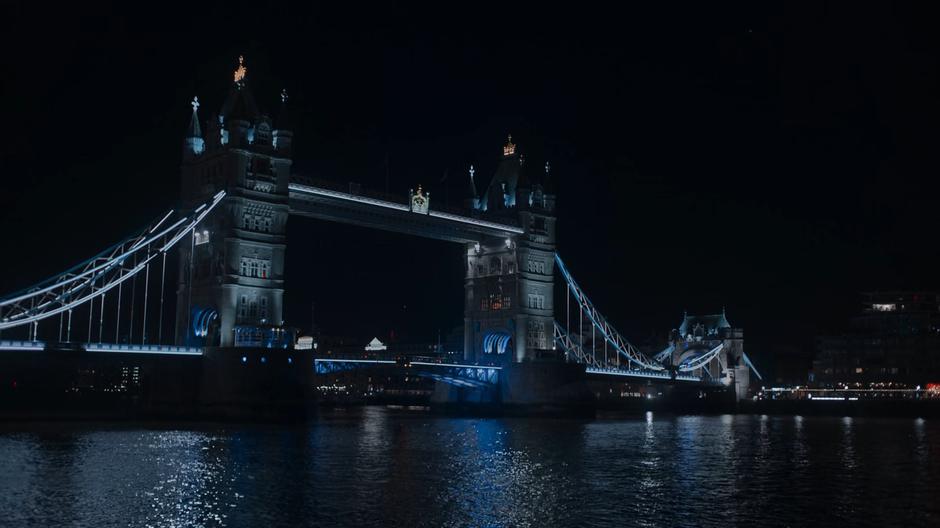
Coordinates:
[699,334]
[509,285]
[231,282]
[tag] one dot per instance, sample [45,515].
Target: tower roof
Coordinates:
[240,103]
[506,179]
[714,321]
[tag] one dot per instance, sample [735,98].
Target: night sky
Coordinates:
[773,161]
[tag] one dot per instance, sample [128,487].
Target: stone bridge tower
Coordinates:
[231,282]
[509,308]
[700,333]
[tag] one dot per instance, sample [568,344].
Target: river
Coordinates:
[373,466]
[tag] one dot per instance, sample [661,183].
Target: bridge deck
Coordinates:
[322,202]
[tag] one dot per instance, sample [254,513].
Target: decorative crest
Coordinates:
[195,103]
[241,70]
[548,168]
[420,201]
[284,95]
[509,149]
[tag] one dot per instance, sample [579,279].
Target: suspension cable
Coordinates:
[130,331]
[117,325]
[101,320]
[162,288]
[146,296]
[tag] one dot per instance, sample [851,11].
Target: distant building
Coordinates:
[375,345]
[893,343]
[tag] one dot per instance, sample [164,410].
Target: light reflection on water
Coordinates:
[374,467]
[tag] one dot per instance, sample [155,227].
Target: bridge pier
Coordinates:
[529,388]
[255,384]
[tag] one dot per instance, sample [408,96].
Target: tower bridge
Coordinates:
[229,235]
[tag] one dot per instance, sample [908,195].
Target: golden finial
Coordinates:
[241,70]
[509,149]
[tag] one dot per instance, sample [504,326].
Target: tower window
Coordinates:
[243,306]
[536,301]
[255,267]
[535,266]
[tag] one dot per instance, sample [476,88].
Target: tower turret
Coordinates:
[239,111]
[501,193]
[473,201]
[193,143]
[283,131]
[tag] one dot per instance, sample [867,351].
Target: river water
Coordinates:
[377,467]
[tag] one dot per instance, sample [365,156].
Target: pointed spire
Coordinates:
[523,181]
[240,71]
[283,136]
[193,143]
[509,148]
[194,130]
[473,183]
[283,116]
[547,182]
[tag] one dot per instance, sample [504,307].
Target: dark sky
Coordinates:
[772,160]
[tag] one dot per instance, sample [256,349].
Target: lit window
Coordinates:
[884,307]
[496,301]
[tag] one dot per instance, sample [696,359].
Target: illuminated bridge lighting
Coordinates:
[338,360]
[22,345]
[477,376]
[454,365]
[107,347]
[639,374]
[143,349]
